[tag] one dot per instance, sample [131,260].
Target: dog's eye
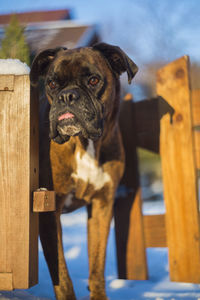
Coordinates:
[93,81]
[52,85]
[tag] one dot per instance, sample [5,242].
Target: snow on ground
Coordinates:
[158,286]
[13,66]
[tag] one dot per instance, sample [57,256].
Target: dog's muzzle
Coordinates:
[73,114]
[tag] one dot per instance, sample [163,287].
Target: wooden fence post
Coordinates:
[18,179]
[129,228]
[179,173]
[196,125]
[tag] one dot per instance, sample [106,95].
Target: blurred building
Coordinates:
[49,29]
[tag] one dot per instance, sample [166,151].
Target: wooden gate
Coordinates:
[170,124]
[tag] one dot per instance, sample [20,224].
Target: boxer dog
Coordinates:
[80,119]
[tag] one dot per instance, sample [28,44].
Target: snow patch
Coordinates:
[73,253]
[159,296]
[117,284]
[75,239]
[69,220]
[153,207]
[13,67]
[69,200]
[19,295]
[157,187]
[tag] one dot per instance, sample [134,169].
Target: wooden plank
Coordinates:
[34,184]
[196,107]
[18,180]
[179,173]
[23,267]
[131,254]
[44,201]
[7,83]
[6,282]
[5,218]
[197,148]
[155,231]
[147,114]
[147,122]
[136,252]
[196,124]
[130,242]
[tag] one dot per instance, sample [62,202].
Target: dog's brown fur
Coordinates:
[106,156]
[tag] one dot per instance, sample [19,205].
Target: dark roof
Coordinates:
[50,29]
[37,16]
[70,36]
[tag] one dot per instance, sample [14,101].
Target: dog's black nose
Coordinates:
[69,96]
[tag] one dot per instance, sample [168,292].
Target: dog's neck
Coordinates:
[92,147]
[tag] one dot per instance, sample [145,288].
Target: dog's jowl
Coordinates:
[81,152]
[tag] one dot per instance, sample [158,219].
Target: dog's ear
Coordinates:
[42,62]
[117,59]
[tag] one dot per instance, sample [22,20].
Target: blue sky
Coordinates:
[148,30]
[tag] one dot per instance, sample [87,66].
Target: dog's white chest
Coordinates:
[88,169]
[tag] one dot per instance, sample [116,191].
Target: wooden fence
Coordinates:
[18,179]
[20,199]
[169,123]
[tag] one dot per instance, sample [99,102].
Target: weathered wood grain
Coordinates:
[7,82]
[179,173]
[155,231]
[6,282]
[196,124]
[44,201]
[18,180]
[136,251]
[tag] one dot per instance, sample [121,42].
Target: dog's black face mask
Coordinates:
[74,86]
[78,84]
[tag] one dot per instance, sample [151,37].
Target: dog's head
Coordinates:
[80,85]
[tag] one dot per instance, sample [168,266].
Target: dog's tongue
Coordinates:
[67,115]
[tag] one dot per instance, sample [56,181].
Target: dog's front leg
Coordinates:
[51,238]
[99,218]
